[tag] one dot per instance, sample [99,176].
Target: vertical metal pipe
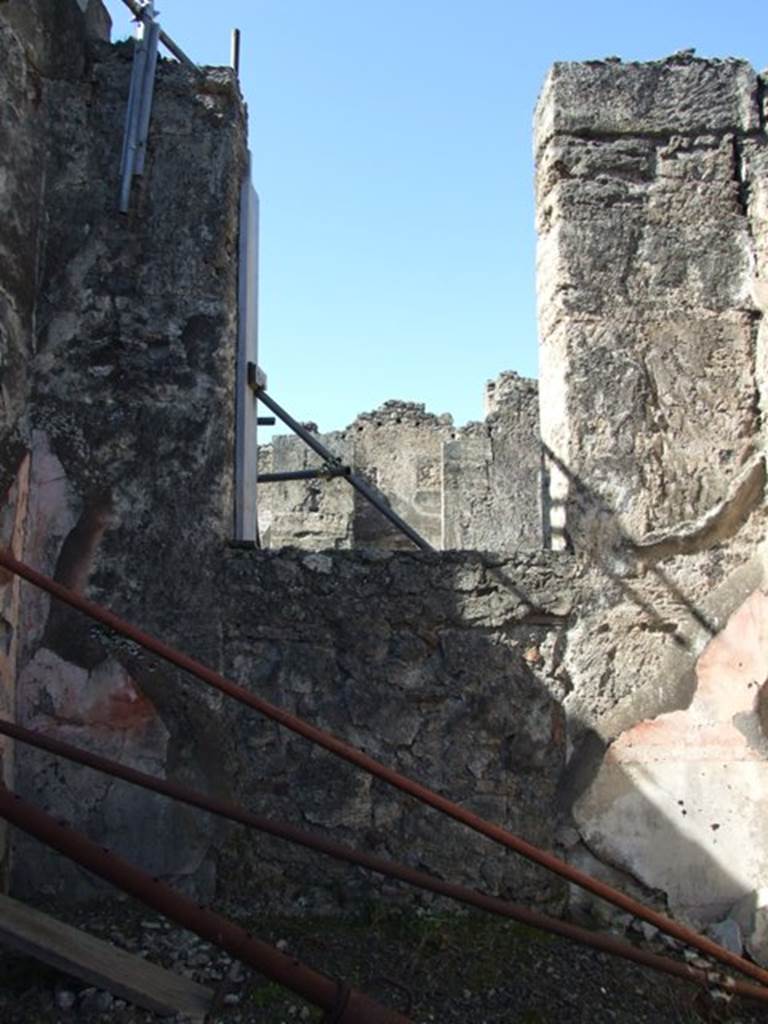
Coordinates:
[132,117]
[146,97]
[218,930]
[235,53]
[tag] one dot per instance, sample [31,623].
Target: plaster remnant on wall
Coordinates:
[689,787]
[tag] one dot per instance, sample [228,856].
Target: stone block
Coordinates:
[646,423]
[751,916]
[678,95]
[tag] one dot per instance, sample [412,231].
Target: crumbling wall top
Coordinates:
[397,413]
[681,93]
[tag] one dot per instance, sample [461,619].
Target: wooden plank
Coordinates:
[100,963]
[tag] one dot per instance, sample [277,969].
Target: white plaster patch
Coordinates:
[681,801]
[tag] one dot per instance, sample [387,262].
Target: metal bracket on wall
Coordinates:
[332,466]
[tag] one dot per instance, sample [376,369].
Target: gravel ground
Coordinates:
[433,968]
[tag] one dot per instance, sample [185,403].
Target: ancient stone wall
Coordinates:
[651,182]
[650,633]
[442,666]
[492,473]
[123,416]
[473,487]
[41,43]
[646,260]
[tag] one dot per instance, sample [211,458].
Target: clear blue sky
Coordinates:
[392,155]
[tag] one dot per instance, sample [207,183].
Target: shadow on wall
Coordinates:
[689,830]
[602,538]
[450,667]
[421,660]
[444,666]
[667,781]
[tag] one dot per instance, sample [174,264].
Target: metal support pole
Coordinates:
[303,474]
[355,481]
[246,527]
[352,755]
[132,116]
[147,96]
[138,13]
[235,55]
[220,931]
[391,869]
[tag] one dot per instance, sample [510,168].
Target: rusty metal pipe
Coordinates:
[381,771]
[220,931]
[391,869]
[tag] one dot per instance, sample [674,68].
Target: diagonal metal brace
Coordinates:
[360,485]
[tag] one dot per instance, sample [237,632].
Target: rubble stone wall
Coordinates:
[476,487]
[442,666]
[125,332]
[646,263]
[41,43]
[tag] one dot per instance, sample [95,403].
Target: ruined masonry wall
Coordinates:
[474,487]
[645,177]
[41,43]
[445,667]
[123,416]
[116,464]
[651,208]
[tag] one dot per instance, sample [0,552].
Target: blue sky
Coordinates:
[392,155]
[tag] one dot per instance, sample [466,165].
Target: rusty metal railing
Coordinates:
[386,774]
[391,869]
[348,1005]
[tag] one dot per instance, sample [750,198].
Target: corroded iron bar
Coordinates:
[369,764]
[324,473]
[390,869]
[220,931]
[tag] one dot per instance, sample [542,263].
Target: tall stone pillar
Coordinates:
[649,396]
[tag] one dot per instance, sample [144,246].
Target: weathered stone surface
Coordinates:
[751,915]
[492,473]
[401,656]
[13,518]
[679,94]
[690,787]
[127,410]
[646,257]
[650,182]
[475,487]
[397,448]
[453,668]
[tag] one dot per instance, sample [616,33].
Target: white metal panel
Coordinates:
[246,441]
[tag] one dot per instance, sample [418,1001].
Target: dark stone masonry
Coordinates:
[599,652]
